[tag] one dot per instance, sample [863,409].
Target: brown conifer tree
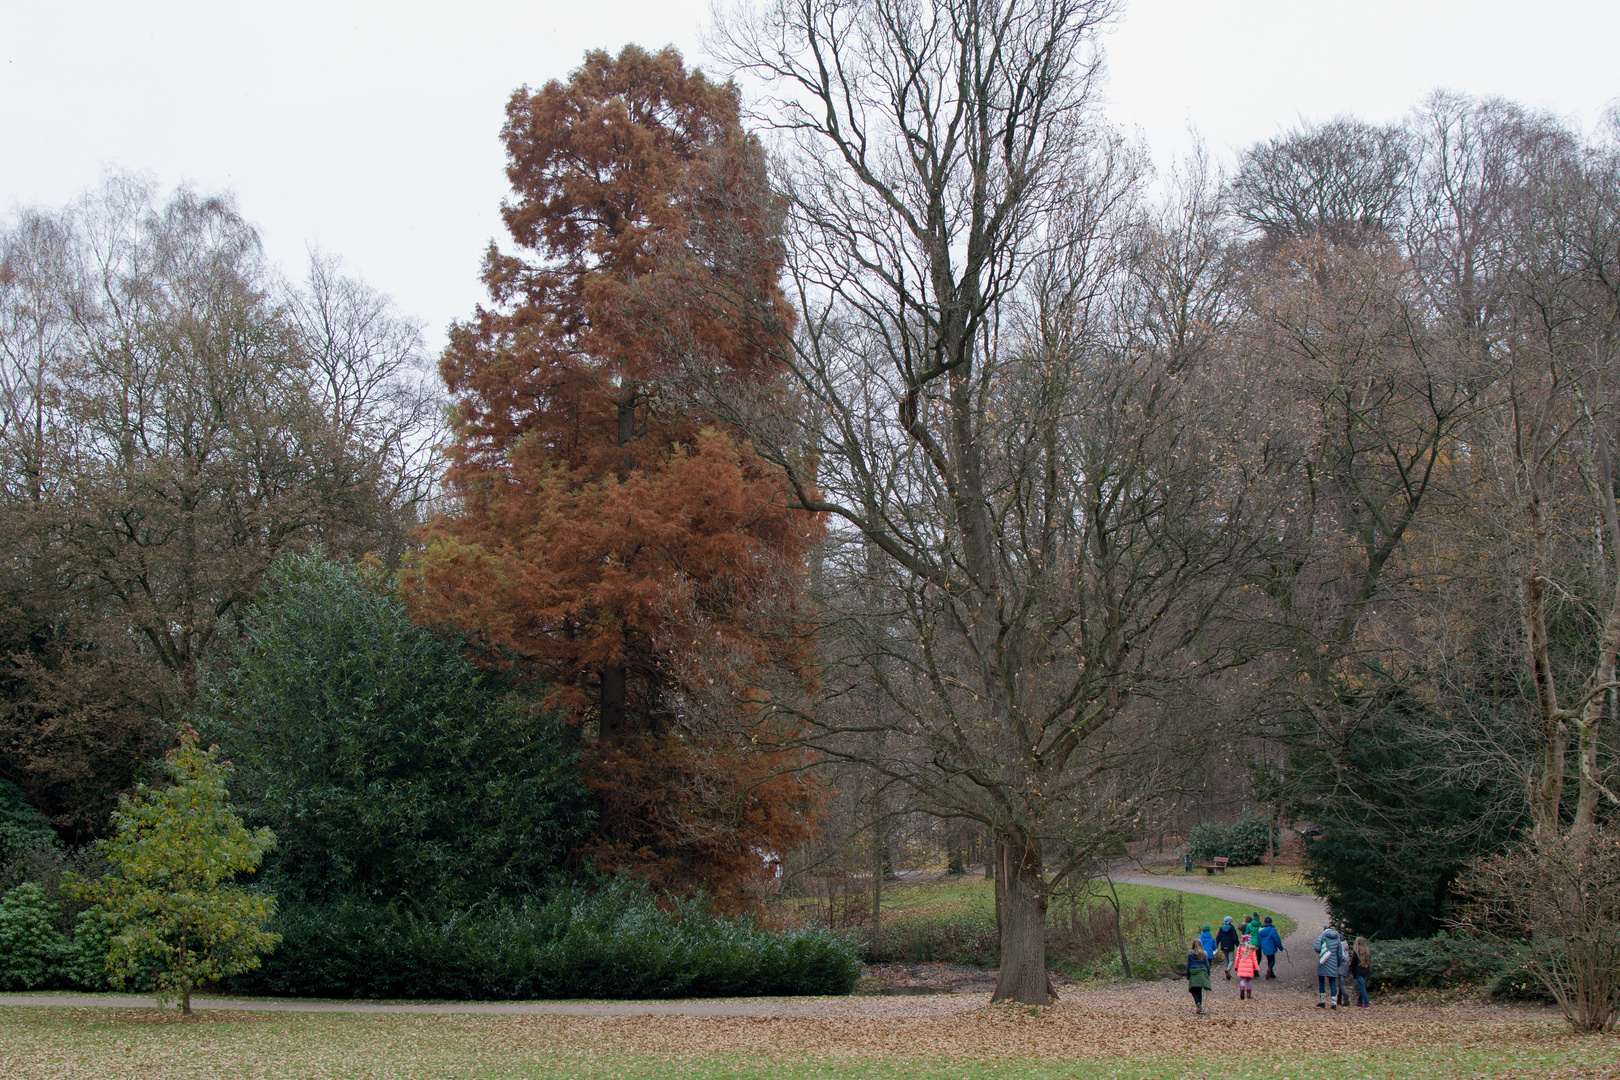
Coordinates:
[610,539]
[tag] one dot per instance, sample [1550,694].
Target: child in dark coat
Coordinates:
[1226,940]
[1198,974]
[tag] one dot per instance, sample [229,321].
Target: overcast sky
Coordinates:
[371,129]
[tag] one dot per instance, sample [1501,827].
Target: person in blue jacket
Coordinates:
[1207,940]
[1270,945]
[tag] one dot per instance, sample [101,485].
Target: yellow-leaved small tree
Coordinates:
[171,899]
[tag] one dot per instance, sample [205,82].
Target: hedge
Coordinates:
[1436,962]
[615,943]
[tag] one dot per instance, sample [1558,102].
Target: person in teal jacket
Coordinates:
[1270,945]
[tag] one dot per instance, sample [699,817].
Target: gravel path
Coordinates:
[1296,970]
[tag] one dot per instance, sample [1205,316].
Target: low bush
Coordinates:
[1244,842]
[1433,962]
[1080,938]
[617,942]
[1518,981]
[36,954]
[33,952]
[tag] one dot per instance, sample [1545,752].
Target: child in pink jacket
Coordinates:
[1247,963]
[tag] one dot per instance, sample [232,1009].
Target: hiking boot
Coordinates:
[1335,1004]
[1228,974]
[1323,1005]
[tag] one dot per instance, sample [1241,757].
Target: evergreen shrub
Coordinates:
[35,953]
[1433,962]
[616,942]
[1244,841]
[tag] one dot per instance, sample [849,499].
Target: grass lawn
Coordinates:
[109,1044]
[954,898]
[1286,879]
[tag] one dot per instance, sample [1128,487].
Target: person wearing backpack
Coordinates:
[1198,973]
[1360,968]
[1247,963]
[1270,945]
[1226,940]
[1327,966]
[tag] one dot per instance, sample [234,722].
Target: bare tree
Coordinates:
[372,377]
[169,426]
[1038,512]
[1341,181]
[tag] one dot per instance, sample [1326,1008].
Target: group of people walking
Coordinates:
[1240,948]
[1337,963]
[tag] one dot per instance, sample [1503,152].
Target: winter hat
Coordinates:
[1245,940]
[1206,928]
[1268,920]
[1226,920]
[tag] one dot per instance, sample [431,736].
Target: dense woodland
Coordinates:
[892,467]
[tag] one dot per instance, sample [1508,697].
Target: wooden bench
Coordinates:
[1217,863]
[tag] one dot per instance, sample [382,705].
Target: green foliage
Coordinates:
[34,954]
[389,766]
[1518,980]
[1436,962]
[20,823]
[1399,825]
[25,835]
[1244,842]
[170,901]
[617,942]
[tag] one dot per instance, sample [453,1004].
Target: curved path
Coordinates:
[1297,969]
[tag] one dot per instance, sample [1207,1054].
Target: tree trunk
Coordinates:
[879,864]
[611,726]
[185,1000]
[1271,836]
[1022,918]
[1119,930]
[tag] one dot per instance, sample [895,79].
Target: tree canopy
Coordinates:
[390,767]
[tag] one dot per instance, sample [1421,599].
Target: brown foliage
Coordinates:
[612,540]
[675,811]
[74,728]
[1561,894]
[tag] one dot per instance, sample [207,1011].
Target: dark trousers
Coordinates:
[1361,991]
[1271,963]
[1198,994]
[1328,984]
